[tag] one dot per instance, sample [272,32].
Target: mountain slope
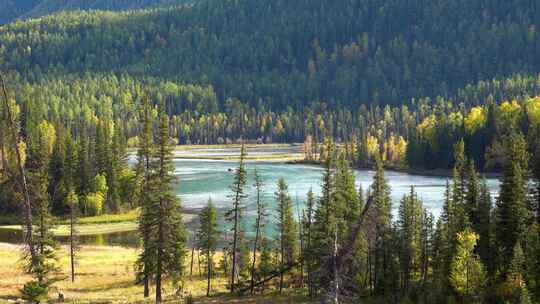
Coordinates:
[11,10]
[291,53]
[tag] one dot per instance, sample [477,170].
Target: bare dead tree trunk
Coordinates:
[28,233]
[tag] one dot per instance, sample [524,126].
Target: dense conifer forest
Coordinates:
[449,85]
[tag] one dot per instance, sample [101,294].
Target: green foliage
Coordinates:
[93,204]
[512,207]
[207,238]
[234,216]
[467,275]
[35,292]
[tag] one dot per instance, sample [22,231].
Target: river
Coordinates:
[202,179]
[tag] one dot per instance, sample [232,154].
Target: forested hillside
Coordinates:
[15,9]
[292,52]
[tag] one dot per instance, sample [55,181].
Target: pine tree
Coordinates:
[144,170]
[347,203]
[484,228]
[309,253]
[234,215]
[512,207]
[83,166]
[287,228]
[324,223]
[45,269]
[410,230]
[207,239]
[459,186]
[162,219]
[472,197]
[260,222]
[383,219]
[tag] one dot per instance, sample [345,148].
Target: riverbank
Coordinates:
[402,169]
[106,275]
[105,224]
[231,152]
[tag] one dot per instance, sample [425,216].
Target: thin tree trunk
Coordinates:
[257,231]
[235,238]
[28,234]
[192,258]
[159,269]
[209,272]
[72,242]
[199,262]
[282,262]
[4,165]
[301,235]
[336,270]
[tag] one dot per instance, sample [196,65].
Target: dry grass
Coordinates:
[106,275]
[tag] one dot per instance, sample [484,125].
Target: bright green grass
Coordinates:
[87,229]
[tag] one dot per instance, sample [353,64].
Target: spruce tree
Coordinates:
[309,253]
[382,204]
[234,215]
[45,269]
[144,186]
[207,239]
[287,229]
[410,228]
[324,223]
[163,218]
[512,212]
[484,228]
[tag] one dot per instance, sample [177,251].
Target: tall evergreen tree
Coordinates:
[382,203]
[410,229]
[309,252]
[234,215]
[512,213]
[287,228]
[45,270]
[322,246]
[484,228]
[164,219]
[207,239]
[144,171]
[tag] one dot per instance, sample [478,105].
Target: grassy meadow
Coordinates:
[106,275]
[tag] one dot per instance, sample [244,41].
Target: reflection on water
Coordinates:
[125,239]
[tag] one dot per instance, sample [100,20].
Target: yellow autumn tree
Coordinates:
[533,110]
[475,120]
